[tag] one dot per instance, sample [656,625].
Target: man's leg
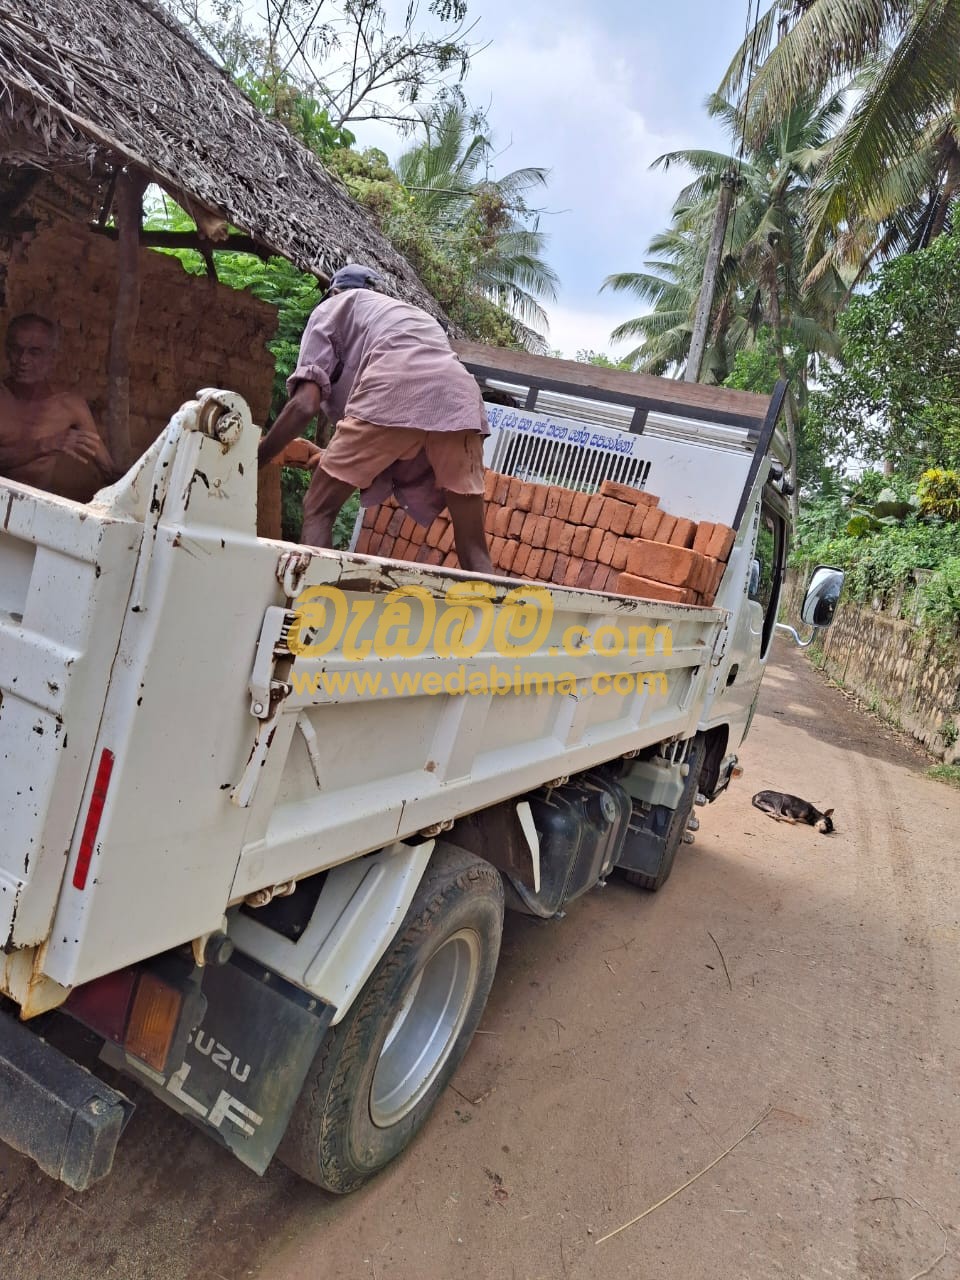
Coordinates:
[321,506]
[466,512]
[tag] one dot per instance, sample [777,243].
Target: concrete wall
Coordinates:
[190,334]
[902,673]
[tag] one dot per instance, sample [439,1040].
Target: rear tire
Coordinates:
[380,1071]
[678,824]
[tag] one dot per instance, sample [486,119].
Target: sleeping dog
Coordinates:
[792,809]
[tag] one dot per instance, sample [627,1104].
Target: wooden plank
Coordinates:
[659,395]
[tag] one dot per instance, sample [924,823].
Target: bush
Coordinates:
[939,493]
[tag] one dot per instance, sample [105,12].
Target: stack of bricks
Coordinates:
[617,540]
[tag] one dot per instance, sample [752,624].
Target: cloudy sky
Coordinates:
[594,90]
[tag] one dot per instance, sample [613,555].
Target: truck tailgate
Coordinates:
[65,575]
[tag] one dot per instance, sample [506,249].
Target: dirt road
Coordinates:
[620,1055]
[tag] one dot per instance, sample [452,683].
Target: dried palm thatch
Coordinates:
[107,83]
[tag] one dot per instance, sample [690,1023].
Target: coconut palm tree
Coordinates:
[894,168]
[484,221]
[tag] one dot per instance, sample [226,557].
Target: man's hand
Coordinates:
[78,442]
[301,453]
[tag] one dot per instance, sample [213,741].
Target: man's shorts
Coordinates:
[360,452]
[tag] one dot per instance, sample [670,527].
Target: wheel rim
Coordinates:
[426,1028]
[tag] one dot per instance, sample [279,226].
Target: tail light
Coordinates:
[149,1013]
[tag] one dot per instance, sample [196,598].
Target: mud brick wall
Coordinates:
[617,540]
[910,678]
[190,333]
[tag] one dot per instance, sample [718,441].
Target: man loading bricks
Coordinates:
[410,420]
[39,426]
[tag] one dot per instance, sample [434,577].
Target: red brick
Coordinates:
[635,524]
[450,560]
[721,542]
[574,568]
[496,550]
[529,527]
[608,548]
[502,491]
[433,534]
[578,542]
[538,499]
[684,532]
[382,520]
[564,503]
[403,550]
[516,523]
[613,576]
[507,556]
[534,562]
[541,533]
[704,575]
[651,522]
[703,535]
[626,493]
[585,576]
[616,515]
[524,499]
[619,560]
[553,532]
[552,504]
[514,491]
[717,578]
[490,485]
[593,512]
[560,568]
[386,546]
[490,513]
[521,558]
[501,523]
[433,557]
[677,566]
[369,517]
[547,564]
[567,537]
[446,540]
[599,580]
[422,554]
[594,543]
[363,542]
[665,528]
[647,589]
[578,507]
[395,523]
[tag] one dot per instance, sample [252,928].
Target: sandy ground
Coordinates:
[617,1059]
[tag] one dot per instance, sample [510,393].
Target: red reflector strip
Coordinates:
[94,814]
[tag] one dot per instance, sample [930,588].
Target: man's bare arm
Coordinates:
[300,409]
[82,440]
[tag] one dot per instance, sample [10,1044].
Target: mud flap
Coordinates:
[246,1063]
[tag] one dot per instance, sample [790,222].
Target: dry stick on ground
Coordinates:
[722,961]
[923,1209]
[690,1181]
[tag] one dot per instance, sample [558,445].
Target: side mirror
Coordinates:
[753,587]
[823,594]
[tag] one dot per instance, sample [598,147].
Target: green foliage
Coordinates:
[938,492]
[368,177]
[297,111]
[896,391]
[948,773]
[601,360]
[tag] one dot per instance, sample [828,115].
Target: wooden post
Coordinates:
[129,214]
[701,323]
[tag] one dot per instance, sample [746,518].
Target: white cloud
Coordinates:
[574,329]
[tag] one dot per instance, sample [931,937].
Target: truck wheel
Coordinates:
[379,1072]
[678,824]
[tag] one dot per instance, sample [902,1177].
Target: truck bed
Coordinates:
[167,752]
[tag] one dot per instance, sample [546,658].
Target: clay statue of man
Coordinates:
[39,425]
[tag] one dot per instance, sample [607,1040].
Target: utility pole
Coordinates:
[701,322]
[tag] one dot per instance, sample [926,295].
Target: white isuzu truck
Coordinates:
[275,896]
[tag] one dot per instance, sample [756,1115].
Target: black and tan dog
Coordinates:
[792,809]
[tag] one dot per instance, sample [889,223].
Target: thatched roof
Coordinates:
[99,84]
